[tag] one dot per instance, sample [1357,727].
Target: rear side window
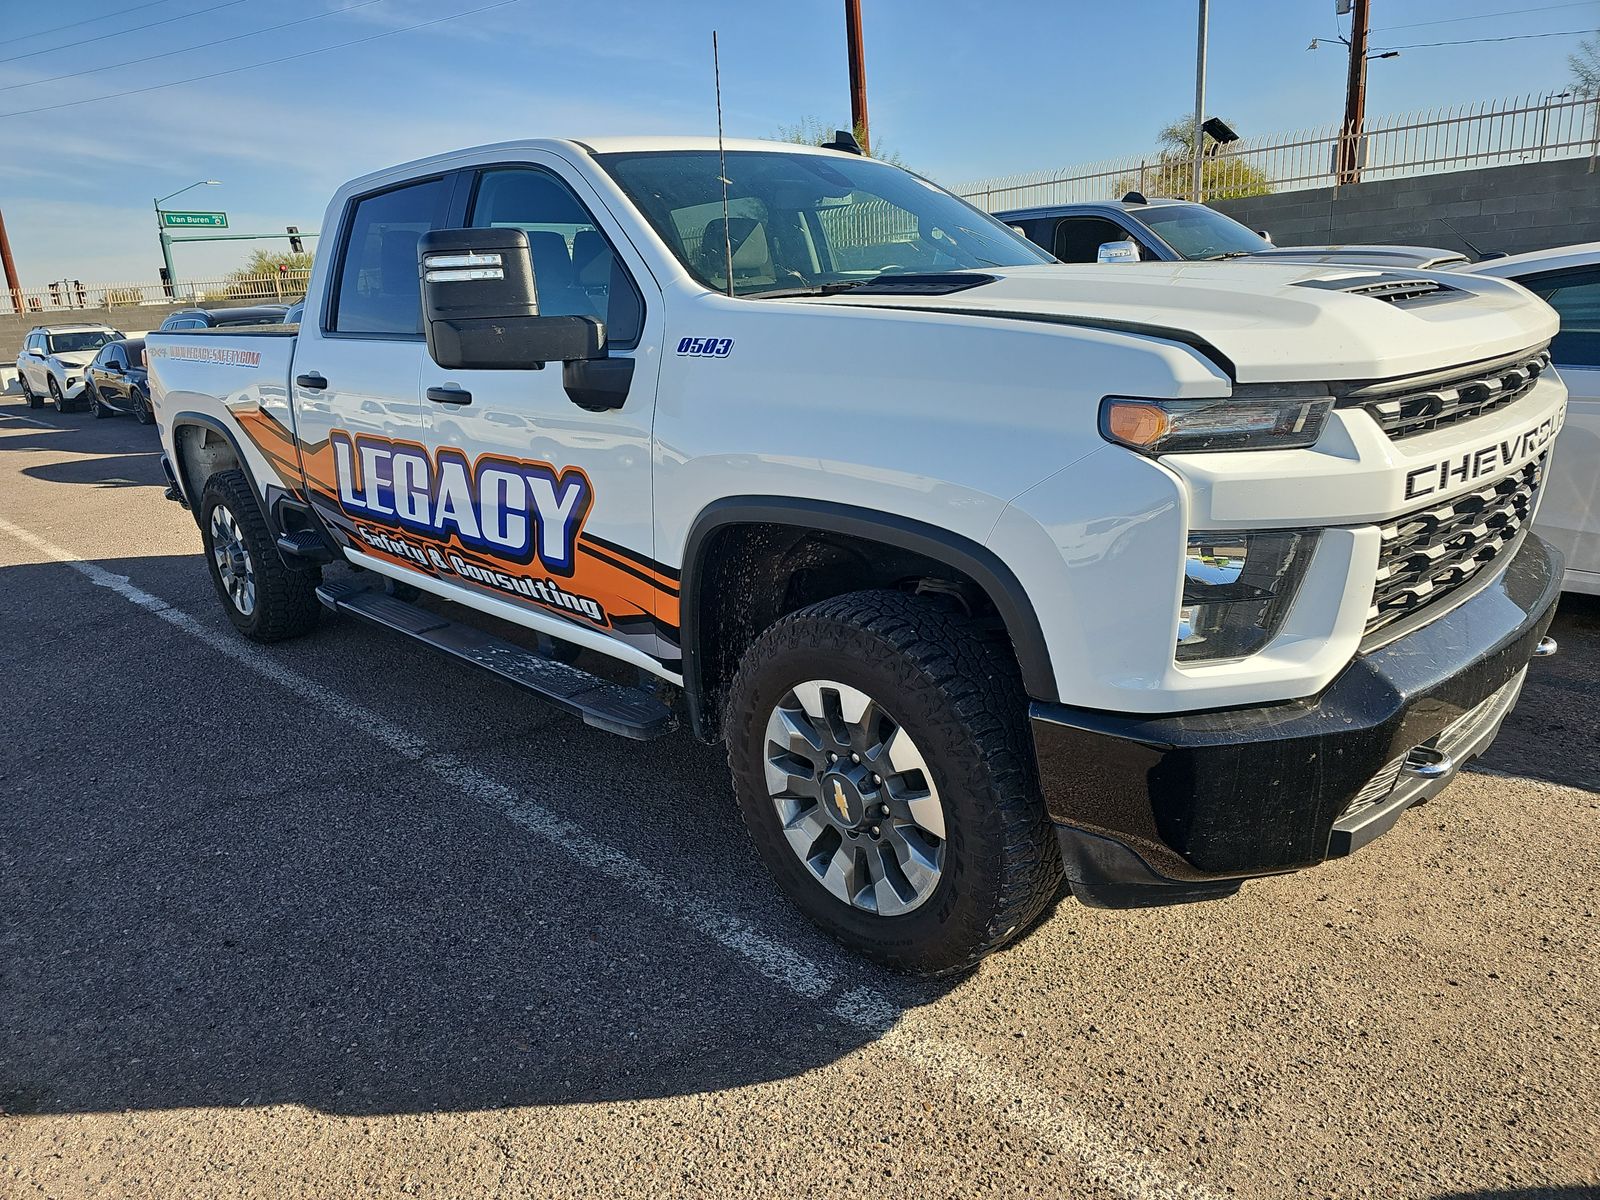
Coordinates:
[379,290]
[575,271]
[1575,295]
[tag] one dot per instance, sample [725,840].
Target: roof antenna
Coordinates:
[1462,236]
[722,163]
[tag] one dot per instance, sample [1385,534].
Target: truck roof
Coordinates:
[590,146]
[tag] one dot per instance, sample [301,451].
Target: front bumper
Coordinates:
[1161,809]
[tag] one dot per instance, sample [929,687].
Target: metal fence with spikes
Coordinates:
[1489,133]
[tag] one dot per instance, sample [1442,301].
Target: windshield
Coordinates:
[1197,232]
[807,221]
[71,343]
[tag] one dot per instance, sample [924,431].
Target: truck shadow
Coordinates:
[134,469]
[213,894]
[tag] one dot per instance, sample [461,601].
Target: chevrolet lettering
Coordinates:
[993,575]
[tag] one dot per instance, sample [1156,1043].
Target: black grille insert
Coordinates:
[1429,553]
[1405,411]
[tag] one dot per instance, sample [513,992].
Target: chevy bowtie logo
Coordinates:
[840,802]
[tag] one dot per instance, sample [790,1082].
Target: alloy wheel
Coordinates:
[232,557]
[856,800]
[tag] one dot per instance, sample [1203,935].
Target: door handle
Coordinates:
[449,394]
[311,381]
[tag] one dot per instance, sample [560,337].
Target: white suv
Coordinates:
[53,361]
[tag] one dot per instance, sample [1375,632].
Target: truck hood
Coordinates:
[1266,322]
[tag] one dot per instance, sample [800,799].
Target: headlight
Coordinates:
[1238,422]
[1237,589]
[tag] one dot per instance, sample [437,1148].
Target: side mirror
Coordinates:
[1118,252]
[114,367]
[1264,236]
[480,306]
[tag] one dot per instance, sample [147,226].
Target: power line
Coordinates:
[271,62]
[134,29]
[1510,12]
[86,21]
[185,49]
[1515,37]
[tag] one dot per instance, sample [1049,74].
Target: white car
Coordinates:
[1568,279]
[989,570]
[53,361]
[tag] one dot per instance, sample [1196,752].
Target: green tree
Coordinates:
[260,279]
[808,131]
[1585,66]
[1222,177]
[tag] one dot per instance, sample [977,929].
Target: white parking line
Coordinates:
[28,420]
[1127,1170]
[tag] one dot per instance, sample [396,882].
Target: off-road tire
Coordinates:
[955,689]
[286,604]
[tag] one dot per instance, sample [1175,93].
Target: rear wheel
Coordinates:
[266,600]
[880,755]
[28,394]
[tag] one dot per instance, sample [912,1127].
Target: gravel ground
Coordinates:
[335,918]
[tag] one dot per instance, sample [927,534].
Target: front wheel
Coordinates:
[95,406]
[880,754]
[57,396]
[141,408]
[266,600]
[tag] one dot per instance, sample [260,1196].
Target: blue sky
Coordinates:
[961,89]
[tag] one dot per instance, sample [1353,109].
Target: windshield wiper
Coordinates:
[1229,254]
[896,283]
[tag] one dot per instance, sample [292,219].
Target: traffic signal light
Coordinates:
[295,244]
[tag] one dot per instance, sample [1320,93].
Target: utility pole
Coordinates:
[13,285]
[1355,96]
[858,74]
[1196,188]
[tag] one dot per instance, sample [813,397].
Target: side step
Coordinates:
[605,705]
[305,544]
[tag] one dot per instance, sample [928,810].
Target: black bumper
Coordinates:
[1161,809]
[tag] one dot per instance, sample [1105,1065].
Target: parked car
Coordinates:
[116,381]
[217,318]
[1568,279]
[296,311]
[52,362]
[1178,230]
[988,570]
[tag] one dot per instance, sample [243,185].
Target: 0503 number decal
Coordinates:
[706,347]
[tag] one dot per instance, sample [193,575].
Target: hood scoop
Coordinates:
[1390,288]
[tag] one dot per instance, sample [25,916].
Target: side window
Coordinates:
[1078,239]
[379,290]
[575,271]
[1575,295]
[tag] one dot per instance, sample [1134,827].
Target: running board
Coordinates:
[631,712]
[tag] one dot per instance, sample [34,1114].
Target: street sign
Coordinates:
[185,220]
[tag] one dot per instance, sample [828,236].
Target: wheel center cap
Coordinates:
[842,800]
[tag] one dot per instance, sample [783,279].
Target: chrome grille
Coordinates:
[1429,553]
[1405,411]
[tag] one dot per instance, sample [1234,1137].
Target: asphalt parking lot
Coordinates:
[335,918]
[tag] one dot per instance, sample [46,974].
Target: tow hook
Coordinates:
[1545,648]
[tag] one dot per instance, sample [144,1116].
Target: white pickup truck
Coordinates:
[989,571]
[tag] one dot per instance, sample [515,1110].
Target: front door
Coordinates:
[542,504]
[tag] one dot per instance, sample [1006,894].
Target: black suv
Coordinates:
[216,318]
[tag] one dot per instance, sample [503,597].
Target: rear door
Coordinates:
[562,525]
[1569,514]
[357,363]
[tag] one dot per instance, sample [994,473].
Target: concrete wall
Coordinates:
[128,318]
[1528,206]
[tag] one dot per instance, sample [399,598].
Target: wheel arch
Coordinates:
[706,642]
[196,462]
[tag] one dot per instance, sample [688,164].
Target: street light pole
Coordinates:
[1199,108]
[161,227]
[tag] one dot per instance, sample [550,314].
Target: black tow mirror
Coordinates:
[480,305]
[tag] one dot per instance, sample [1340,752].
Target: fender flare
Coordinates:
[191,489]
[977,562]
